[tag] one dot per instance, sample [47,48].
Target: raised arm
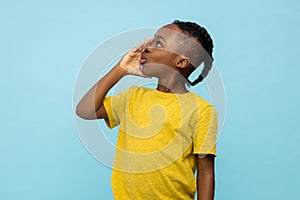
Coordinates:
[91,104]
[205,177]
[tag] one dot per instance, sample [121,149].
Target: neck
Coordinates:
[175,84]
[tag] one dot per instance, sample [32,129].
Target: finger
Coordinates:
[147,42]
[143,45]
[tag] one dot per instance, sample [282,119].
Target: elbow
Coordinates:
[80,113]
[83,114]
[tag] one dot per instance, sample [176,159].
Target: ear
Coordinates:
[182,62]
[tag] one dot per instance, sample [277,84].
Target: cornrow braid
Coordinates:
[200,33]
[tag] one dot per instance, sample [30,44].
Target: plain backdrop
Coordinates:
[43,44]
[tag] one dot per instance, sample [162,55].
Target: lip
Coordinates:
[143,59]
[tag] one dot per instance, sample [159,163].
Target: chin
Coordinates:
[149,70]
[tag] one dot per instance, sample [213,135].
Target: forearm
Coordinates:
[91,105]
[205,185]
[93,99]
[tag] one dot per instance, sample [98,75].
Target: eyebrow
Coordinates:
[160,37]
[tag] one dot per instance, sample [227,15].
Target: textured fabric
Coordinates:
[158,137]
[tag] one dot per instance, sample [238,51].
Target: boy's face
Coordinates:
[161,56]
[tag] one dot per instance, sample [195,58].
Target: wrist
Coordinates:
[121,70]
[122,67]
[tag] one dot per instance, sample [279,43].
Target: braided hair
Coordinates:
[201,35]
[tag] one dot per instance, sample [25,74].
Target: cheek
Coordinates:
[162,57]
[159,63]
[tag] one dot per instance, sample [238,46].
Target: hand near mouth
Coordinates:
[132,60]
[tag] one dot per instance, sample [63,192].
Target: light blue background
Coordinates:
[43,44]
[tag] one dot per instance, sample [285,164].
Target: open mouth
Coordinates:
[143,59]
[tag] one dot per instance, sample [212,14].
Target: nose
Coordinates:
[148,46]
[146,50]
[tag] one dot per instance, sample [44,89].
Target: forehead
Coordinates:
[169,31]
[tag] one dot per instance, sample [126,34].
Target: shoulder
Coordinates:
[130,90]
[138,90]
[133,92]
[135,88]
[201,103]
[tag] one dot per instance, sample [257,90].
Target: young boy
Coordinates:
[165,133]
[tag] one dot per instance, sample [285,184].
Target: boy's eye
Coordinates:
[158,44]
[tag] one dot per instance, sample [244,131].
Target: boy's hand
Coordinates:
[131,62]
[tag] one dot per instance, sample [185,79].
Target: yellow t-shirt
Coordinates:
[158,137]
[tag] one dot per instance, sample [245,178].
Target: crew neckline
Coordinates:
[166,94]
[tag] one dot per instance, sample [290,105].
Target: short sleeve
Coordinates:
[205,137]
[115,106]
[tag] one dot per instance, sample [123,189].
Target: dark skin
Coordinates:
[205,176]
[159,59]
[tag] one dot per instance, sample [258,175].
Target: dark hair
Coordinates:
[194,30]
